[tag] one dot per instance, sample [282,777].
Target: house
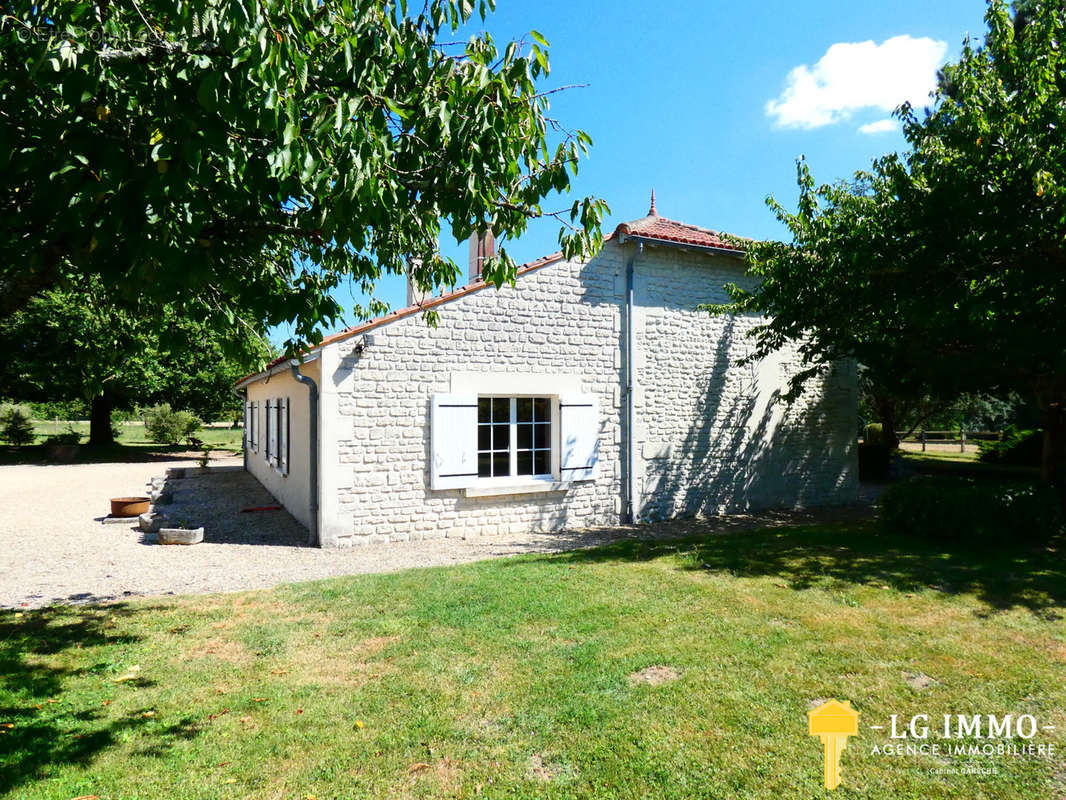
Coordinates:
[590,393]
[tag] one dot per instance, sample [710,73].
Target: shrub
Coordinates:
[874,433]
[60,409]
[166,426]
[16,426]
[960,509]
[71,436]
[874,461]
[1023,448]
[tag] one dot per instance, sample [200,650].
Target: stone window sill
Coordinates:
[528,487]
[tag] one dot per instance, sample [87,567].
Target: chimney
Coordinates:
[481,247]
[415,296]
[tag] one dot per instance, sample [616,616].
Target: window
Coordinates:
[253,426]
[514,436]
[495,441]
[277,434]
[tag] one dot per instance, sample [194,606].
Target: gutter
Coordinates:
[312,402]
[704,248]
[631,382]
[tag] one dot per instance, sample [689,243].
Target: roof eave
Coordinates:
[703,248]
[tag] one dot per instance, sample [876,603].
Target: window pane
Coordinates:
[525,463]
[541,409]
[501,437]
[524,409]
[501,409]
[484,465]
[501,464]
[542,462]
[525,437]
[540,439]
[484,437]
[483,409]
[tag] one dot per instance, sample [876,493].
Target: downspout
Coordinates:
[312,403]
[242,395]
[631,382]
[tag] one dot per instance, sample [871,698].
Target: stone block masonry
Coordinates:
[711,437]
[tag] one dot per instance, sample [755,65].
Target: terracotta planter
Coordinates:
[128,506]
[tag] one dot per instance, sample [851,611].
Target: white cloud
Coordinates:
[881,126]
[858,75]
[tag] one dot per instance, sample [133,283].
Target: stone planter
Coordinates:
[181,535]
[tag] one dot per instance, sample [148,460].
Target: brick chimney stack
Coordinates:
[481,247]
[415,296]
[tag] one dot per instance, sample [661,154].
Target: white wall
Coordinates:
[709,438]
[292,490]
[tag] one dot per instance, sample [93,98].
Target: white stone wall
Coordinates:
[714,437]
[562,320]
[710,438]
[292,490]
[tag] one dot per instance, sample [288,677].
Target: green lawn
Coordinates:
[132,443]
[512,678]
[934,462]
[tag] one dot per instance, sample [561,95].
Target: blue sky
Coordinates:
[692,98]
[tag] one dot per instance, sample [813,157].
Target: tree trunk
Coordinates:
[1053,457]
[100,420]
[885,407]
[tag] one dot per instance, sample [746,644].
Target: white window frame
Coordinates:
[513,478]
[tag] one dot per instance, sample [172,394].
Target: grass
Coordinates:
[933,462]
[132,444]
[512,678]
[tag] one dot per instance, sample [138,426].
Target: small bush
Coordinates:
[166,426]
[71,436]
[874,433]
[962,510]
[16,425]
[874,461]
[1022,448]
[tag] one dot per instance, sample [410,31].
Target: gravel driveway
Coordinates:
[54,549]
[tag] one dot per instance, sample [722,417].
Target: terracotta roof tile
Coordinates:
[667,230]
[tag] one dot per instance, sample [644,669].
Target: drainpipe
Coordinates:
[312,402]
[631,344]
[242,395]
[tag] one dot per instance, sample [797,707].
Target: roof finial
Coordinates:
[651,211]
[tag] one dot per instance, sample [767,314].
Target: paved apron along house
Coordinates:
[590,393]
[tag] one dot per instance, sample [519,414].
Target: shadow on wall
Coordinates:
[50,725]
[750,450]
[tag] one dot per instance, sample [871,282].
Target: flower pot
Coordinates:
[128,506]
[181,535]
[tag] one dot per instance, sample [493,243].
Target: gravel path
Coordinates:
[54,549]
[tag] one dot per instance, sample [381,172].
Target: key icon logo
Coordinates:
[833,722]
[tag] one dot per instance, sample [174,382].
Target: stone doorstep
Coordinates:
[110,520]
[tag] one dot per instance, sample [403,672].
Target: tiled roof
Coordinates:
[667,230]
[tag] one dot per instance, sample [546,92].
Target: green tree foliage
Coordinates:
[246,158]
[79,344]
[166,426]
[943,270]
[16,427]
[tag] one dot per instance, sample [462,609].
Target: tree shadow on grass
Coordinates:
[107,454]
[1003,577]
[50,725]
